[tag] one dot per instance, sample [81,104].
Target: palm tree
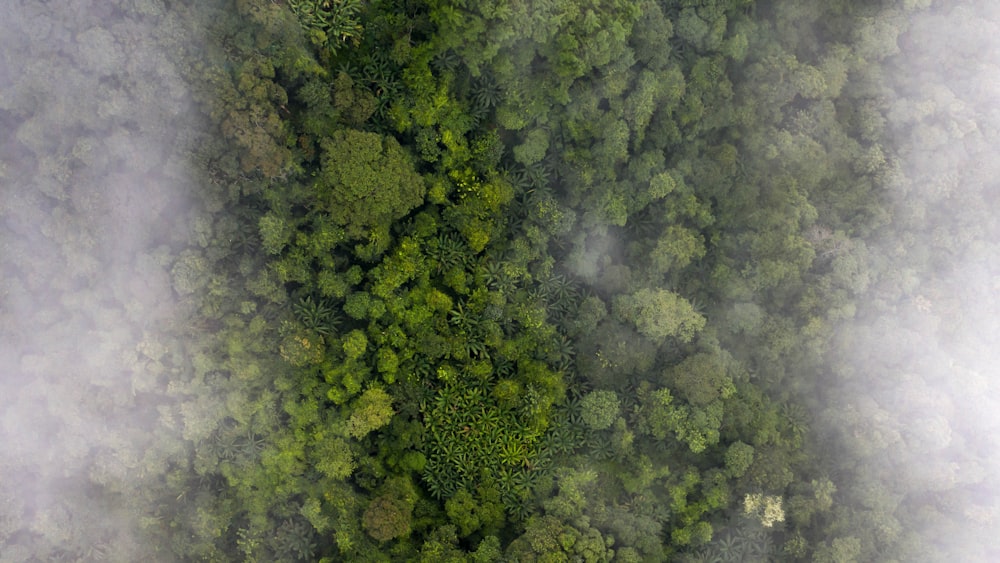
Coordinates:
[600,446]
[504,368]
[294,539]
[477,115]
[518,179]
[246,236]
[350,70]
[702,556]
[432,482]
[682,52]
[251,446]
[564,290]
[448,251]
[512,453]
[561,439]
[318,315]
[642,225]
[728,547]
[562,352]
[486,93]
[421,367]
[463,320]
[448,61]
[497,278]
[227,448]
[754,540]
[225,441]
[577,387]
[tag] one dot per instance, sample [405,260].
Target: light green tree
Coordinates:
[371,411]
[599,409]
[701,379]
[658,314]
[366,180]
[739,457]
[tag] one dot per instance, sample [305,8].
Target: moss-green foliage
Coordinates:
[599,409]
[658,314]
[365,181]
[372,410]
[389,514]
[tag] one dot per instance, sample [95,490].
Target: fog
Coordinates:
[93,184]
[917,392]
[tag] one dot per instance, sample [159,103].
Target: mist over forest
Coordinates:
[498,281]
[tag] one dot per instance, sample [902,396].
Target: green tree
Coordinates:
[334,457]
[548,539]
[675,249]
[739,457]
[441,545]
[599,409]
[840,550]
[389,515]
[470,513]
[355,344]
[701,378]
[387,518]
[371,411]
[698,427]
[366,181]
[658,314]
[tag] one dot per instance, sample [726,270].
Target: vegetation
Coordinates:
[479,281]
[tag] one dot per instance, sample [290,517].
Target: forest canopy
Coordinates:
[582,280]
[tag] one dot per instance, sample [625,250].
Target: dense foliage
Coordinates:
[579,280]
